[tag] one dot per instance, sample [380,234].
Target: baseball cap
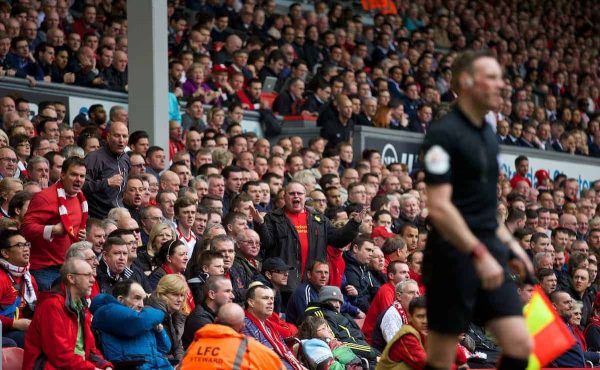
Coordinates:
[219,68]
[541,175]
[382,232]
[275,264]
[328,293]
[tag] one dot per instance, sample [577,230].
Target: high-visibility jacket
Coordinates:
[219,347]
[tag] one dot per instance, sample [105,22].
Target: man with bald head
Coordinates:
[225,335]
[107,170]
[116,75]
[169,181]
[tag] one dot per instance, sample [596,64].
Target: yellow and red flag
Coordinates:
[551,337]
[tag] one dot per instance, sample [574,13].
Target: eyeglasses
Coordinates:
[11,160]
[281,272]
[88,275]
[137,230]
[21,245]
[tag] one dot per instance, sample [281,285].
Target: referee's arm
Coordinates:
[449,222]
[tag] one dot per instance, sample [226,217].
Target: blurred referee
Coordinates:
[466,259]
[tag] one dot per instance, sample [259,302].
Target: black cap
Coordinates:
[275,264]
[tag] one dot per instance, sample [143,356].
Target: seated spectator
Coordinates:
[65,312]
[259,306]
[217,292]
[246,258]
[289,102]
[171,259]
[344,327]
[317,338]
[396,272]
[394,317]
[208,264]
[159,234]
[113,264]
[170,298]
[18,288]
[407,347]
[224,335]
[360,286]
[129,332]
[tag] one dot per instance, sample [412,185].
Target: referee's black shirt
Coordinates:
[465,156]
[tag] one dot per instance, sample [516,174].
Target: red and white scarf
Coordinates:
[401,312]
[273,337]
[64,213]
[21,272]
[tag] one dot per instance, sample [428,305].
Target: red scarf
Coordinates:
[270,332]
[594,321]
[64,212]
[401,311]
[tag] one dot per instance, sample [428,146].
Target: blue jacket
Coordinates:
[575,356]
[128,335]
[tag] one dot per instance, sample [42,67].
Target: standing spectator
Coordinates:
[359,280]
[311,232]
[65,312]
[107,170]
[340,127]
[56,218]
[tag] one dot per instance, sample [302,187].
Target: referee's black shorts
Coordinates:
[454,294]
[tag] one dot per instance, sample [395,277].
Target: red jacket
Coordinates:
[43,211]
[337,265]
[8,296]
[52,335]
[382,300]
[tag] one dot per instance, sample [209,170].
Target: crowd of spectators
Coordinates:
[395,72]
[313,240]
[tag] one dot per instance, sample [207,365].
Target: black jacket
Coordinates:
[100,165]
[279,239]
[344,329]
[359,277]
[246,269]
[173,324]
[201,316]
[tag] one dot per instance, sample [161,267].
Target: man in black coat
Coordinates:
[299,235]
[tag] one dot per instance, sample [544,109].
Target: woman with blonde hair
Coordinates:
[170,297]
[383,117]
[159,234]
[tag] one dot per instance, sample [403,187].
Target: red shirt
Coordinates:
[300,222]
[382,300]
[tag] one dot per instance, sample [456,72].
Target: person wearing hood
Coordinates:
[129,332]
[64,311]
[18,288]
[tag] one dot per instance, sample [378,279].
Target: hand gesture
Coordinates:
[358,216]
[21,324]
[115,180]
[522,264]
[81,234]
[489,271]
[351,291]
[256,216]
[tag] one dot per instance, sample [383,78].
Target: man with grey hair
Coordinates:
[39,171]
[83,250]
[409,212]
[65,313]
[392,319]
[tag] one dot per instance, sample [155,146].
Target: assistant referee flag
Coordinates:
[551,337]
